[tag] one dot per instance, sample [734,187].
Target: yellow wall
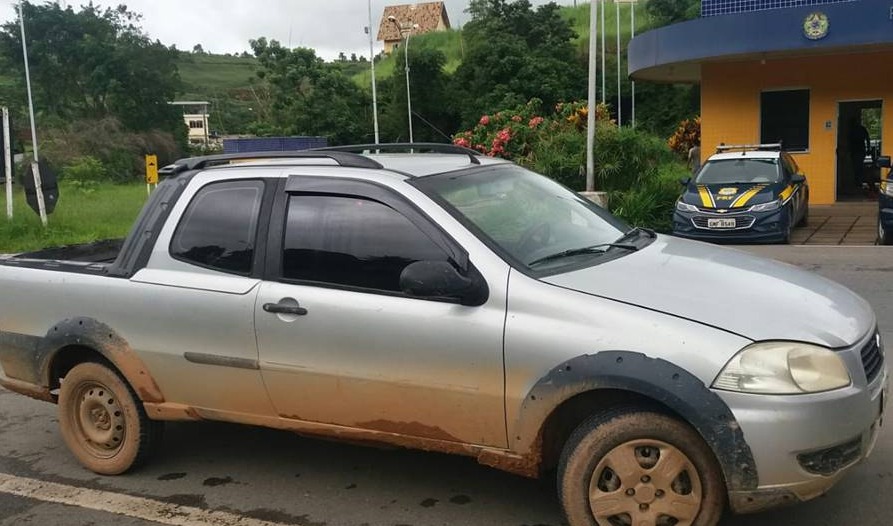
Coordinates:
[730,105]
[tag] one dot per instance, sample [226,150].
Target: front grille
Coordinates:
[872,359]
[741,222]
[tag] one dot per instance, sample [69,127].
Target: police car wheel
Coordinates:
[883,236]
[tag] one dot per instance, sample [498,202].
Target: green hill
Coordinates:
[204,75]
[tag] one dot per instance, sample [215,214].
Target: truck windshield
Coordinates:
[731,171]
[532,219]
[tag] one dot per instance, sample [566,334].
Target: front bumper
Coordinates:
[754,227]
[802,445]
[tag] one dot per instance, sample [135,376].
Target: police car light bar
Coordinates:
[747,147]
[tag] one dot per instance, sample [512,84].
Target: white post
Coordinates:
[619,94]
[604,68]
[372,61]
[590,119]
[7,162]
[632,34]
[35,169]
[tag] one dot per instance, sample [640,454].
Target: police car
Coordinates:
[744,193]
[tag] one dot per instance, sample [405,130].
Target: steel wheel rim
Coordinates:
[645,482]
[99,420]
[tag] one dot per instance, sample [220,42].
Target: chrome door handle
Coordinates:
[278,308]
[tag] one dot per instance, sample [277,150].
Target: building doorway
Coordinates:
[856,174]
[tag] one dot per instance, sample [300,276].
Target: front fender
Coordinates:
[656,379]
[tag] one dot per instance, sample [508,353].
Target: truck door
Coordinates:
[192,319]
[341,344]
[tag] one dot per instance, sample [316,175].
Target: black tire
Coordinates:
[884,236]
[103,422]
[582,471]
[804,221]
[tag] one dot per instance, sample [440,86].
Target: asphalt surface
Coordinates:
[278,477]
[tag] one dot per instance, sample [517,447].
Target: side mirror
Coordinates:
[439,279]
[684,181]
[884,161]
[798,178]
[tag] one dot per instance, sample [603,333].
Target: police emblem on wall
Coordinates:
[816,26]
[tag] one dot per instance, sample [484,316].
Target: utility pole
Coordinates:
[41,206]
[590,118]
[604,69]
[406,31]
[619,94]
[372,62]
[632,35]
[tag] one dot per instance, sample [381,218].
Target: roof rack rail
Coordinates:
[415,147]
[346,159]
[749,147]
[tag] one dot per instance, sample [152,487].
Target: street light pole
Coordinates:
[632,35]
[406,32]
[372,62]
[41,206]
[619,93]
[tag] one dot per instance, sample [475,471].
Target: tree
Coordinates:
[298,93]
[342,57]
[664,12]
[434,119]
[514,53]
[353,57]
[94,63]
[198,49]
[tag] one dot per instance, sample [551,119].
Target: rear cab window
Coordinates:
[219,228]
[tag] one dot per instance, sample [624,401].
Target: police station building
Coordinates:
[807,73]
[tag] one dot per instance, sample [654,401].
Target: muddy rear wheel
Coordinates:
[635,468]
[102,422]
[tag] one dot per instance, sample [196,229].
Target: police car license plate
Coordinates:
[721,223]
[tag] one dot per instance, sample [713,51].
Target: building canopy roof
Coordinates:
[675,53]
[427,15]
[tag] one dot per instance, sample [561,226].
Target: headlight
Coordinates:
[767,207]
[685,207]
[886,188]
[783,368]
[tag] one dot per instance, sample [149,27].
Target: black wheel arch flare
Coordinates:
[659,380]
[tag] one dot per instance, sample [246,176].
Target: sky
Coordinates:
[226,26]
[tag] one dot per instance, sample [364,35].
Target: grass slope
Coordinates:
[81,216]
[207,74]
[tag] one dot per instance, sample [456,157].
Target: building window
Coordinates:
[196,124]
[784,118]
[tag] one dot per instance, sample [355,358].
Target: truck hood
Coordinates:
[732,290]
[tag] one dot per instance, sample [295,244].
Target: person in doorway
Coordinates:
[858,141]
[694,158]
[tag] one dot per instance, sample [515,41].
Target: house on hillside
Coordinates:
[195,115]
[428,16]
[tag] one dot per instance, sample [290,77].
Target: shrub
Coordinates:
[119,151]
[651,204]
[685,137]
[84,169]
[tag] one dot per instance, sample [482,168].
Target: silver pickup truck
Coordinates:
[448,302]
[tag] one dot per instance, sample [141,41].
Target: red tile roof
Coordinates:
[427,15]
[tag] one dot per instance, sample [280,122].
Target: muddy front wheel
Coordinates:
[102,422]
[638,468]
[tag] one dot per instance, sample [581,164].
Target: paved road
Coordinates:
[271,476]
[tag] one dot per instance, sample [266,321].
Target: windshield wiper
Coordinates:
[637,231]
[594,249]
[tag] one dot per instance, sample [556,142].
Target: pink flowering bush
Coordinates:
[515,133]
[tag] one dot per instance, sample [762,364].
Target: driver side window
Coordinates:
[351,242]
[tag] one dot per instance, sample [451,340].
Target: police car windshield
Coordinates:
[732,171]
